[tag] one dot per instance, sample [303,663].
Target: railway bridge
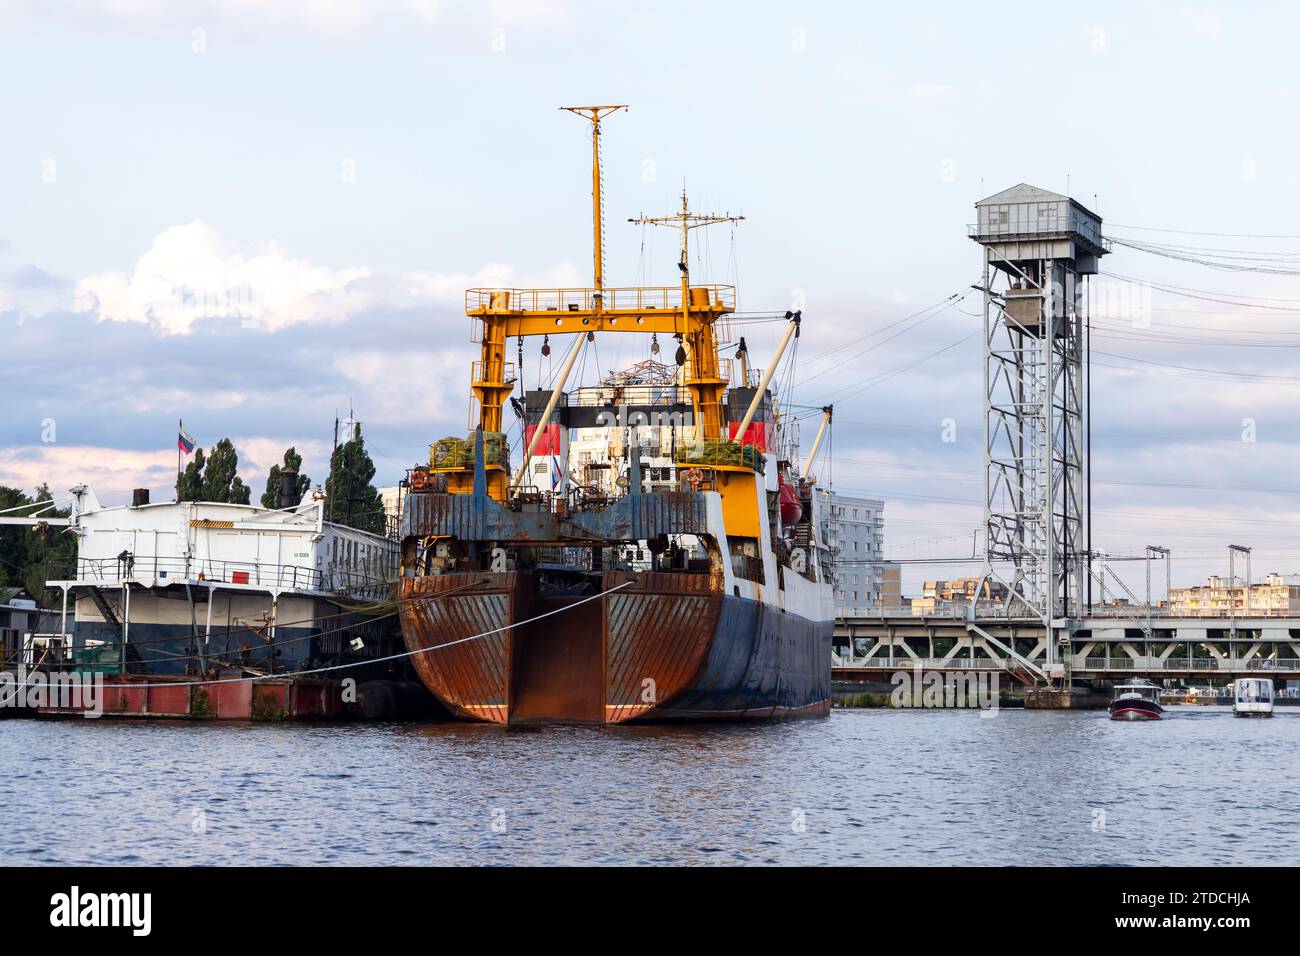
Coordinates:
[1103,646]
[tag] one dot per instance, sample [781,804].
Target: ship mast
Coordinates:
[706,386]
[595,114]
[685,220]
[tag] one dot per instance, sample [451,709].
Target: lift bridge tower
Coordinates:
[1039,249]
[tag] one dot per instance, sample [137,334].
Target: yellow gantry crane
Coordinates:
[688,312]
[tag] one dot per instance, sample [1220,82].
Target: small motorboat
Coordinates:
[1139,700]
[1252,697]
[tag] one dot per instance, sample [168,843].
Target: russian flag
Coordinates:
[185,442]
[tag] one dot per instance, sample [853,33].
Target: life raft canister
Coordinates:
[791,506]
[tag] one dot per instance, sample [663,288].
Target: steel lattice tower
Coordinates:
[1039,249]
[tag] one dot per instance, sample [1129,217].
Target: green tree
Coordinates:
[191,487]
[221,481]
[51,552]
[351,499]
[292,462]
[13,540]
[31,555]
[214,477]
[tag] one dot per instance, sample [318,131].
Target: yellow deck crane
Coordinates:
[688,312]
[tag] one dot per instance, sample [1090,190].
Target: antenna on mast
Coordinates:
[595,114]
[685,220]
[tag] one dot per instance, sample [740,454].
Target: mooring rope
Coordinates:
[377,660]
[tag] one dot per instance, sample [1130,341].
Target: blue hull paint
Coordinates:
[763,664]
[170,649]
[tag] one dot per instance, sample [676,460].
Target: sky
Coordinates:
[252,215]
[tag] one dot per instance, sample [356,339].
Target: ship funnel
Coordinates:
[288,488]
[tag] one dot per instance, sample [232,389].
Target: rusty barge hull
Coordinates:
[664,647]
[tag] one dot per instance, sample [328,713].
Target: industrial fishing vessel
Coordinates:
[656,553]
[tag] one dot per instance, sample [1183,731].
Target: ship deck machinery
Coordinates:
[698,625]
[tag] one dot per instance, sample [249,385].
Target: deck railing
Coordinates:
[646,299]
[1208,664]
[882,661]
[279,577]
[994,610]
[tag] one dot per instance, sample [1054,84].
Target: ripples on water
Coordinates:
[873,787]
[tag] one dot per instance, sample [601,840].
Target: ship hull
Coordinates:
[1135,709]
[158,649]
[662,647]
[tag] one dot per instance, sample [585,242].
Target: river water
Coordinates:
[876,787]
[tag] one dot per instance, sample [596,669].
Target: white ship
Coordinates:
[190,588]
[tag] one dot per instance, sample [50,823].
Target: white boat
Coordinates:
[1252,697]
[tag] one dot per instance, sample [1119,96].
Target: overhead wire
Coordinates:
[921,317]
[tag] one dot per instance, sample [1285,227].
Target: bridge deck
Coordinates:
[1106,647]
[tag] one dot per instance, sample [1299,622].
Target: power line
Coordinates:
[1193,232]
[1243,376]
[1219,262]
[922,316]
[1208,295]
[852,390]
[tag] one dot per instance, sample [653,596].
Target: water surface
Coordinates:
[861,787]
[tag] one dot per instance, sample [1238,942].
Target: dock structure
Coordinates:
[180,604]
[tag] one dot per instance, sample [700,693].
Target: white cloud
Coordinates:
[427,286]
[190,272]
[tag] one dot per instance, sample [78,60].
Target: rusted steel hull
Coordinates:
[667,646]
[470,677]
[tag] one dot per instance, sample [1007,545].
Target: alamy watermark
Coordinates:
[236,301]
[63,690]
[977,689]
[133,911]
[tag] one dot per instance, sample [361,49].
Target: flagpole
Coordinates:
[180,426]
